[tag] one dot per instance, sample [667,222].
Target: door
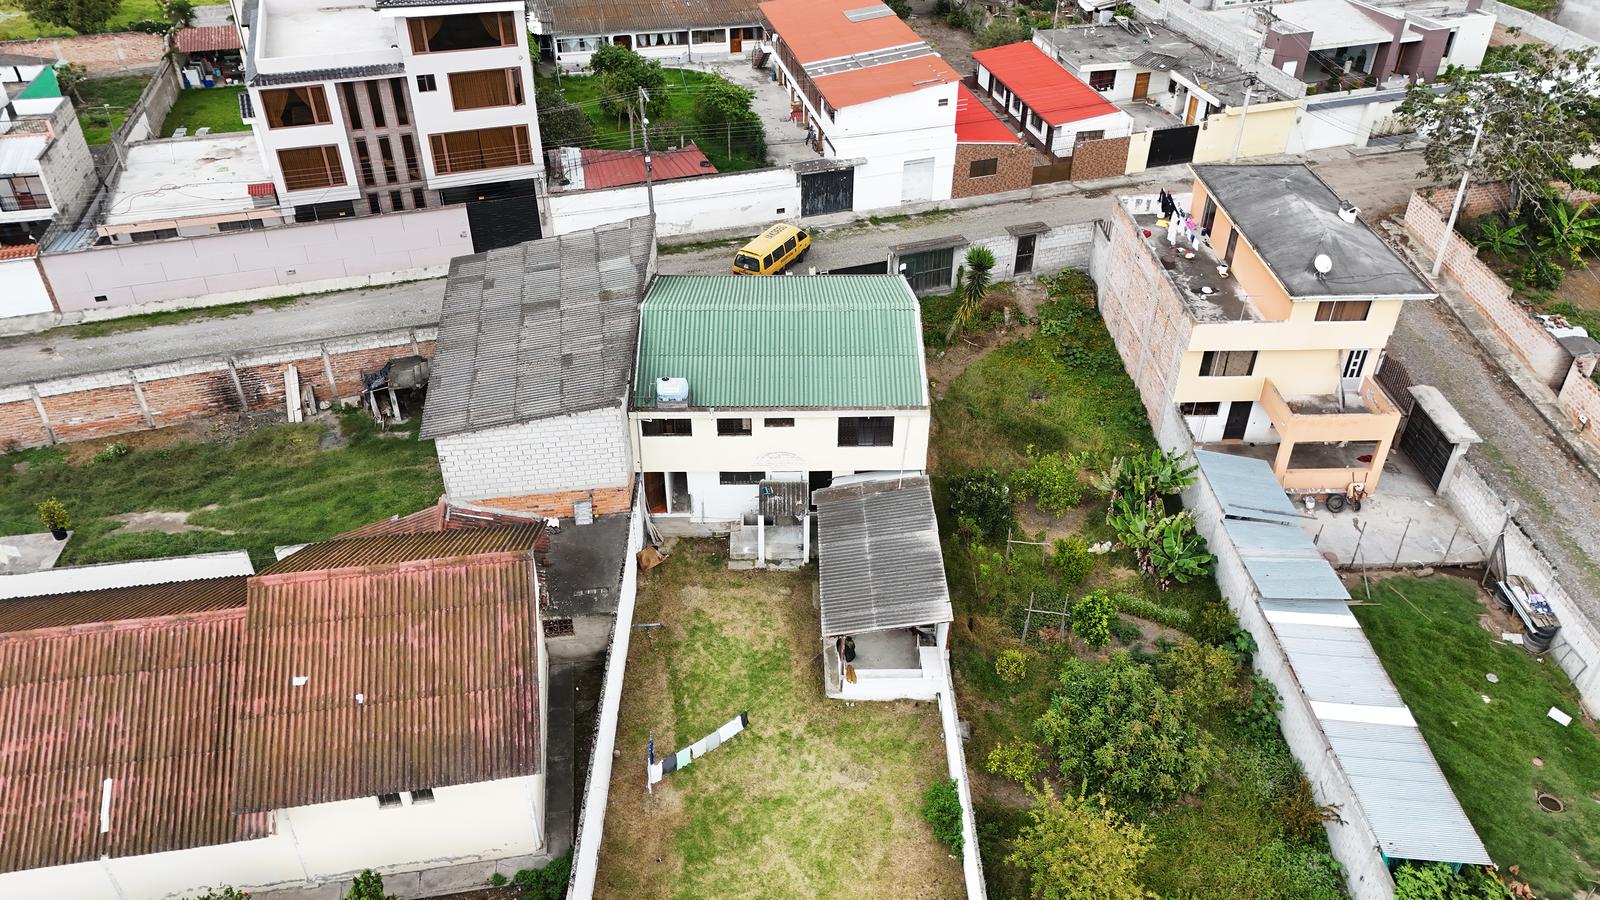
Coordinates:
[1238,420]
[1427,446]
[1355,362]
[498,215]
[623,40]
[930,270]
[735,39]
[816,481]
[655,492]
[827,192]
[1209,217]
[1233,242]
[1024,261]
[1188,116]
[1172,146]
[917,181]
[1141,86]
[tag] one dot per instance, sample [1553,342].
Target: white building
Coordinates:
[267,732]
[777,381]
[569,31]
[187,187]
[1055,111]
[527,398]
[46,171]
[875,99]
[379,105]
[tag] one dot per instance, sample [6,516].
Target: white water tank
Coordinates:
[1348,211]
[672,390]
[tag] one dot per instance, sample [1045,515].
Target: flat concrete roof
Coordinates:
[1156,48]
[187,177]
[309,28]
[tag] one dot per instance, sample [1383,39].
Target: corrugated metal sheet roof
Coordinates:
[364,681]
[120,604]
[825,341]
[598,17]
[206,38]
[411,546]
[543,328]
[1243,492]
[73,579]
[146,707]
[615,168]
[878,556]
[1295,579]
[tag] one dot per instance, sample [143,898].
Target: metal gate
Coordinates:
[827,192]
[498,215]
[1172,146]
[872,268]
[1426,444]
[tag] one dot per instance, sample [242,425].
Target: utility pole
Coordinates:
[1238,137]
[1461,194]
[644,134]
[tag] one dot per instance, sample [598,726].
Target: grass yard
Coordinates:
[814,799]
[215,108]
[275,485]
[1426,632]
[15,25]
[117,95]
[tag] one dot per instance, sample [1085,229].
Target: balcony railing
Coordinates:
[1370,417]
[26,201]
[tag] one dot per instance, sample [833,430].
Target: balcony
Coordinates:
[1328,441]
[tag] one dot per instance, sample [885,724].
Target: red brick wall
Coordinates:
[559,503]
[1100,159]
[1144,314]
[99,54]
[1013,173]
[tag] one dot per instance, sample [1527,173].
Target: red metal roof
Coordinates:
[389,664]
[886,80]
[209,37]
[19,251]
[145,601]
[262,189]
[614,168]
[1043,84]
[977,124]
[818,29]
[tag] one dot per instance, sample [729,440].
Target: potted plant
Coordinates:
[53,513]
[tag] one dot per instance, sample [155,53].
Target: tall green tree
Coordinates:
[1077,848]
[622,74]
[727,121]
[82,16]
[562,124]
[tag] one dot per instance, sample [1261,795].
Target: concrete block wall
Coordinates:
[119,53]
[749,200]
[577,452]
[1061,247]
[106,404]
[150,113]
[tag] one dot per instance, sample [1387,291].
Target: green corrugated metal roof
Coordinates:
[43,85]
[811,341]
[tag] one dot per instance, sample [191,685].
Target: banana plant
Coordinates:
[1573,230]
[1179,552]
[1503,239]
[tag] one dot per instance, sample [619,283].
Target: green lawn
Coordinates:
[1427,634]
[16,25]
[115,95]
[274,486]
[816,798]
[216,108]
[612,132]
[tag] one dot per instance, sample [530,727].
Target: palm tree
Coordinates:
[972,289]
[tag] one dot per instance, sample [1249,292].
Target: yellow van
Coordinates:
[772,251]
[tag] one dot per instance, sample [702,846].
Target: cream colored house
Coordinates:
[1261,314]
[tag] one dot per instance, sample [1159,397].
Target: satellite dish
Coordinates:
[1323,263]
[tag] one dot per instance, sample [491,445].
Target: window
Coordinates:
[733,427]
[377,105]
[768,260]
[242,225]
[483,148]
[1086,136]
[397,90]
[322,212]
[364,162]
[788,246]
[470,31]
[306,168]
[390,173]
[1228,362]
[160,234]
[944,101]
[351,110]
[866,431]
[426,83]
[777,423]
[1200,409]
[1034,121]
[1103,80]
[419,198]
[408,146]
[929,270]
[296,106]
[20,192]
[486,88]
[388,801]
[373,206]
[663,39]
[396,201]
[578,45]
[1354,362]
[423,795]
[1343,310]
[983,168]
[101,298]
[715,36]
[740,477]
[667,427]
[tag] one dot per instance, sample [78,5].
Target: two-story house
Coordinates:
[1257,307]
[878,104]
[380,105]
[45,167]
[751,387]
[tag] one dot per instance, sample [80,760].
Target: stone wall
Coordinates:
[1100,159]
[106,404]
[120,53]
[1014,172]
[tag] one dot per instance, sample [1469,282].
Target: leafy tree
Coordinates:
[562,124]
[1114,725]
[367,886]
[1080,849]
[1011,666]
[973,287]
[622,74]
[1202,678]
[1569,231]
[1016,759]
[1071,560]
[70,77]
[179,13]
[980,501]
[82,16]
[1051,480]
[724,110]
[1091,618]
[1001,32]
[941,807]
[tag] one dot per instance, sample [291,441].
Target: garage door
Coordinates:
[1426,444]
[499,215]
[917,181]
[827,192]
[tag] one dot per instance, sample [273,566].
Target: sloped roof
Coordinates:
[598,17]
[816,30]
[209,37]
[878,556]
[614,168]
[543,328]
[143,601]
[864,85]
[378,665]
[1042,84]
[73,579]
[821,341]
[977,124]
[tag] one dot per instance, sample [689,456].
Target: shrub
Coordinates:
[1051,480]
[1125,631]
[980,501]
[547,883]
[959,18]
[1201,678]
[1437,882]
[1011,666]
[1258,714]
[1001,32]
[942,8]
[111,452]
[224,893]
[1016,759]
[1145,608]
[1079,849]
[1071,561]
[941,807]
[1091,618]
[562,124]
[367,886]
[1166,547]
[902,8]
[1302,815]
[53,513]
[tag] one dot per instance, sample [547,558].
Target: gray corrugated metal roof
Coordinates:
[1244,494]
[878,556]
[340,73]
[543,328]
[1295,579]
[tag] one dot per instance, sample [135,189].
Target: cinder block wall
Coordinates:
[573,453]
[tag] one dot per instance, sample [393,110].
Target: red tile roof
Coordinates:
[1043,84]
[210,37]
[977,124]
[614,168]
[888,80]
[262,189]
[19,251]
[419,660]
[818,29]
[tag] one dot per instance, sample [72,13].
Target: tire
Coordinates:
[1355,504]
[1335,502]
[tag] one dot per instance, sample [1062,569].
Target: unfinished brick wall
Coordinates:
[559,503]
[1144,314]
[1013,172]
[1580,399]
[100,54]
[106,404]
[1100,159]
[1482,198]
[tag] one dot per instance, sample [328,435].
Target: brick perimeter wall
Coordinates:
[99,54]
[559,503]
[1580,399]
[1100,159]
[106,404]
[1014,170]
[1142,311]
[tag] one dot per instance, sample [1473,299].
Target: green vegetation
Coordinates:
[1080,849]
[1498,756]
[19,25]
[367,886]
[142,321]
[103,104]
[215,108]
[276,485]
[546,883]
[941,807]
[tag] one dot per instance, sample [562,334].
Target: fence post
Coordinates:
[1027,620]
[1445,559]
[1398,547]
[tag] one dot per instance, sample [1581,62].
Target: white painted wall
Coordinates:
[890,132]
[1473,32]
[812,445]
[750,200]
[694,52]
[1114,124]
[576,452]
[1259,430]
[22,290]
[1338,127]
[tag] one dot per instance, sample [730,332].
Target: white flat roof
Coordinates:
[125,574]
[1332,23]
[19,153]
[182,177]
[334,29]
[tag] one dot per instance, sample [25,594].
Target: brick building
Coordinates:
[990,158]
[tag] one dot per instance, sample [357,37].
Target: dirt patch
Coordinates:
[201,431]
[161,520]
[1033,520]
[947,365]
[1504,37]
[1581,288]
[954,44]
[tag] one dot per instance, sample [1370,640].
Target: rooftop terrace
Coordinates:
[186,178]
[1208,295]
[1154,47]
